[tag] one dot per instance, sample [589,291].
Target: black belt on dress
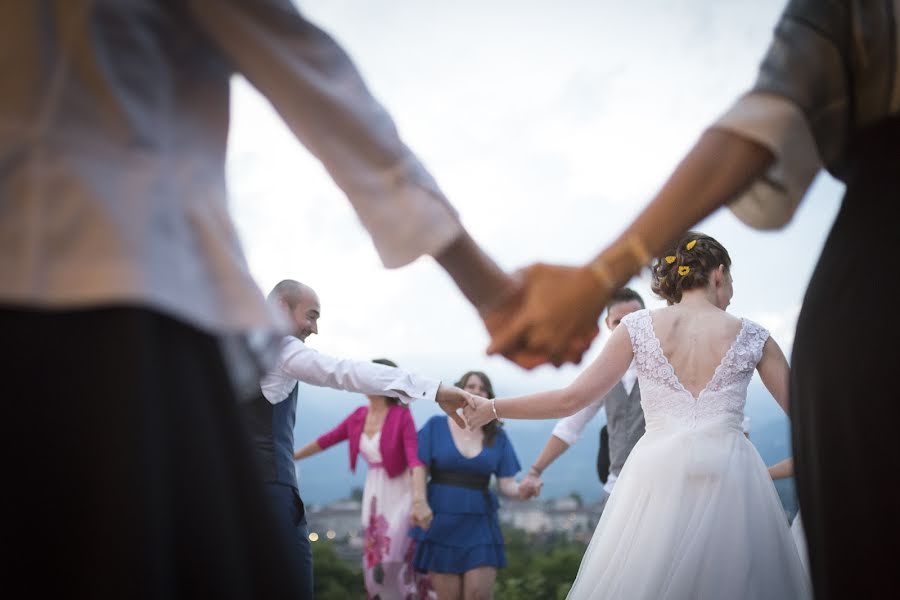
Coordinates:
[472,481]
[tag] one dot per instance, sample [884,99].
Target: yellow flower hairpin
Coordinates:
[670,259]
[691,244]
[684,270]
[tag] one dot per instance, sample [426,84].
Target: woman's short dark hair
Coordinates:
[490,430]
[686,265]
[624,295]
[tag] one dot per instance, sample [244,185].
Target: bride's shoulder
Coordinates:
[631,318]
[753,328]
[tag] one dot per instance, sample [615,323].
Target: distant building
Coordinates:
[335,521]
[560,515]
[340,521]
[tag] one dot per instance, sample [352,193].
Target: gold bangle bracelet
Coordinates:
[638,250]
[634,248]
[601,273]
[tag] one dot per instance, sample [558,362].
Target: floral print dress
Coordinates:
[388,549]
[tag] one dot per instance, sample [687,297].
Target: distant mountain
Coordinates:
[326,477]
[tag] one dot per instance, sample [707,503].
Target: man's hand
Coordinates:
[498,317]
[451,398]
[555,319]
[420,514]
[530,487]
[479,412]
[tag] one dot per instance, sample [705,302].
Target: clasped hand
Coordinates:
[478,413]
[420,514]
[451,399]
[551,319]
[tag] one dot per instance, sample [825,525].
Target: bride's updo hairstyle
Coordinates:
[687,265]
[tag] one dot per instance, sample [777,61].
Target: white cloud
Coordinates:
[781,325]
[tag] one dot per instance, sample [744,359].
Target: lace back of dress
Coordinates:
[662,392]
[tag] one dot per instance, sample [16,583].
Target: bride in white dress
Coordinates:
[695,514]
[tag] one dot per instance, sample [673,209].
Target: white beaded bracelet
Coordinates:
[494,408]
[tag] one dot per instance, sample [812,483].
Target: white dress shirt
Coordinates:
[569,429]
[299,362]
[113,128]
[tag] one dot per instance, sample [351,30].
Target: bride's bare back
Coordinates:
[695,339]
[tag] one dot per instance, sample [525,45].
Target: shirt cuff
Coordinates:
[780,126]
[413,387]
[610,483]
[563,432]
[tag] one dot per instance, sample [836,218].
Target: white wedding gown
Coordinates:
[694,514]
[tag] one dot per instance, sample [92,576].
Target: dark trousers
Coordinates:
[603,461]
[291,516]
[127,472]
[845,404]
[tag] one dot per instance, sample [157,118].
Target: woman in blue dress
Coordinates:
[463,548]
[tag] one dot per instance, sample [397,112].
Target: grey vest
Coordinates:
[624,422]
[271,428]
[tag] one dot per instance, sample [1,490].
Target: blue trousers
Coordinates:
[291,516]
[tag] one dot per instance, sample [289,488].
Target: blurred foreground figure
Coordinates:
[126,305]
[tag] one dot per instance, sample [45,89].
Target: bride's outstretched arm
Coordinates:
[594,382]
[775,373]
[782,469]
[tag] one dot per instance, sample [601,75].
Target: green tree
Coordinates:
[537,566]
[334,579]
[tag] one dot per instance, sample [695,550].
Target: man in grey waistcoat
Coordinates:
[624,416]
[270,417]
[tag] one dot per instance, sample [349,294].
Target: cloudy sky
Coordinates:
[549,126]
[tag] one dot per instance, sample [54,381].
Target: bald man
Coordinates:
[271,415]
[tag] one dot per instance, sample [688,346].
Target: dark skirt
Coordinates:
[127,471]
[845,401]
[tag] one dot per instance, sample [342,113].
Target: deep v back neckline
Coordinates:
[677,380]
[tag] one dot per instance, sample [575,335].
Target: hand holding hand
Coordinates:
[530,487]
[554,321]
[420,515]
[479,413]
[451,398]
[498,317]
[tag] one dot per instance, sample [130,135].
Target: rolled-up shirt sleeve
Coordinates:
[315,368]
[797,109]
[317,90]
[779,126]
[569,429]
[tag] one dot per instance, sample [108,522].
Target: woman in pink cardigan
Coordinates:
[394,495]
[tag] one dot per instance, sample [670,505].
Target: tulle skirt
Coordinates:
[694,515]
[800,539]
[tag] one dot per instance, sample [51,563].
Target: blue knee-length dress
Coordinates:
[465,532]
